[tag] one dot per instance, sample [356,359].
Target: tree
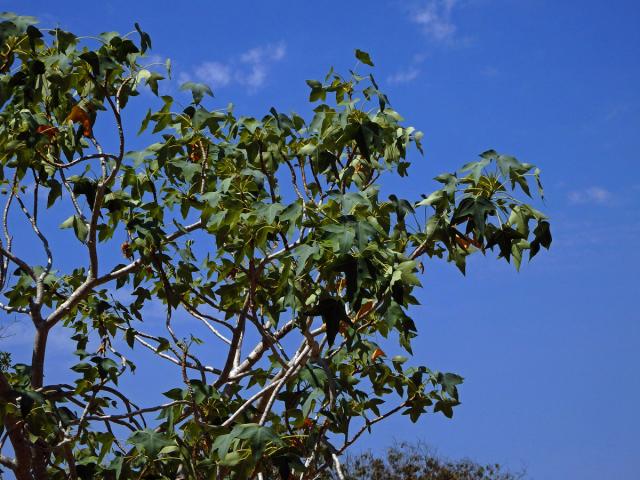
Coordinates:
[406,461]
[271,232]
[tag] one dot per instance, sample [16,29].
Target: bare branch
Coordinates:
[74,199]
[45,243]
[89,284]
[77,161]
[235,343]
[139,337]
[259,350]
[338,466]
[134,413]
[205,320]
[8,462]
[368,425]
[7,236]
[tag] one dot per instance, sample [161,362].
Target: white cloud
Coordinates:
[215,74]
[269,52]
[19,335]
[259,61]
[403,76]
[408,74]
[435,19]
[594,195]
[250,69]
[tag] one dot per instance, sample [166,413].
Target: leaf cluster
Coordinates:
[270,232]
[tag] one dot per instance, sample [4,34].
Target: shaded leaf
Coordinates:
[364,57]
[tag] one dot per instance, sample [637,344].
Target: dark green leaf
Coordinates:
[145,39]
[332,312]
[364,57]
[542,237]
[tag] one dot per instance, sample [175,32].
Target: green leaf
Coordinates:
[222,443]
[259,437]
[22,22]
[212,198]
[446,407]
[307,149]
[80,228]
[304,252]
[504,238]
[340,237]
[506,163]
[55,192]
[149,442]
[33,33]
[312,398]
[449,383]
[434,198]
[130,335]
[92,59]
[317,91]
[269,212]
[198,90]
[175,394]
[116,464]
[152,81]
[163,344]
[231,459]
[364,57]
[543,238]
[189,169]
[145,39]
[476,168]
[474,210]
[332,312]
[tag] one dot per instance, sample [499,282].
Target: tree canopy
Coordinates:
[415,461]
[270,232]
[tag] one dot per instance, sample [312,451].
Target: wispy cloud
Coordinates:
[18,336]
[403,76]
[592,195]
[249,69]
[215,74]
[435,19]
[259,60]
[408,74]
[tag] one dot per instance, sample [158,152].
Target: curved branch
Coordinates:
[134,413]
[205,320]
[10,463]
[84,158]
[90,283]
[45,243]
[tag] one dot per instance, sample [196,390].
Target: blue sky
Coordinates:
[550,354]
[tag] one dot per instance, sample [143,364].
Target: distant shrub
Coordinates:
[406,461]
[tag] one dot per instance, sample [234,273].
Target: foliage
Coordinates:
[406,461]
[270,231]
[5,361]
